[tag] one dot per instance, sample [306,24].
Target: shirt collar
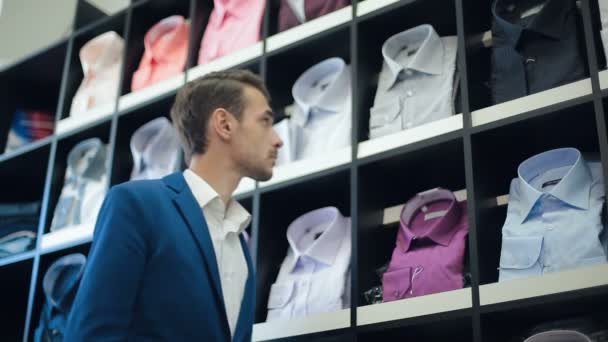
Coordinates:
[326,247]
[427,58]
[573,189]
[330,99]
[101,52]
[154,145]
[548,22]
[440,231]
[206,196]
[167,36]
[87,159]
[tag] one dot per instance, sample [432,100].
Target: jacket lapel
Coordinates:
[193,215]
[245,322]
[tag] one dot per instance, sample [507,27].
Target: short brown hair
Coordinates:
[198,99]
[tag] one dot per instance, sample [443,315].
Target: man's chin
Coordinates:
[262,176]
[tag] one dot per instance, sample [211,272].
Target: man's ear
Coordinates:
[222,123]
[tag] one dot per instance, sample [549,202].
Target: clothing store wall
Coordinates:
[442,176]
[41,23]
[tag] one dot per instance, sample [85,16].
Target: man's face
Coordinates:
[255,143]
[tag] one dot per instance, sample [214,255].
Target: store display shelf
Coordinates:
[415,307]
[301,168]
[26,149]
[235,59]
[547,284]
[532,102]
[305,325]
[603,75]
[65,238]
[74,123]
[309,29]
[369,6]
[17,258]
[142,96]
[410,136]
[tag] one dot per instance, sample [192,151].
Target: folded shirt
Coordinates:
[155,149]
[322,114]
[233,25]
[84,187]
[295,12]
[554,216]
[315,275]
[166,52]
[101,64]
[27,127]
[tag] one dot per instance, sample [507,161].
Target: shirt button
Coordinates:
[410,93]
[530,60]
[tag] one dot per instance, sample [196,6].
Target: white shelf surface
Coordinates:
[67,237]
[246,185]
[409,136]
[136,98]
[226,62]
[13,259]
[72,123]
[305,325]
[415,307]
[603,79]
[309,28]
[547,284]
[369,6]
[305,167]
[531,102]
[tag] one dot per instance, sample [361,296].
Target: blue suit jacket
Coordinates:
[152,274]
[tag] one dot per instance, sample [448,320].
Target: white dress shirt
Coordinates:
[416,83]
[101,63]
[225,224]
[321,119]
[315,275]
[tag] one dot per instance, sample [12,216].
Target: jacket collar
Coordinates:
[425,52]
[573,189]
[439,231]
[188,207]
[331,226]
[325,87]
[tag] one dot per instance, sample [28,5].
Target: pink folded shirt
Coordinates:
[233,25]
[166,52]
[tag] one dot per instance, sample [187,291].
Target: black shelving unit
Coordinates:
[476,152]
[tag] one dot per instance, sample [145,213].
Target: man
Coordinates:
[168,262]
